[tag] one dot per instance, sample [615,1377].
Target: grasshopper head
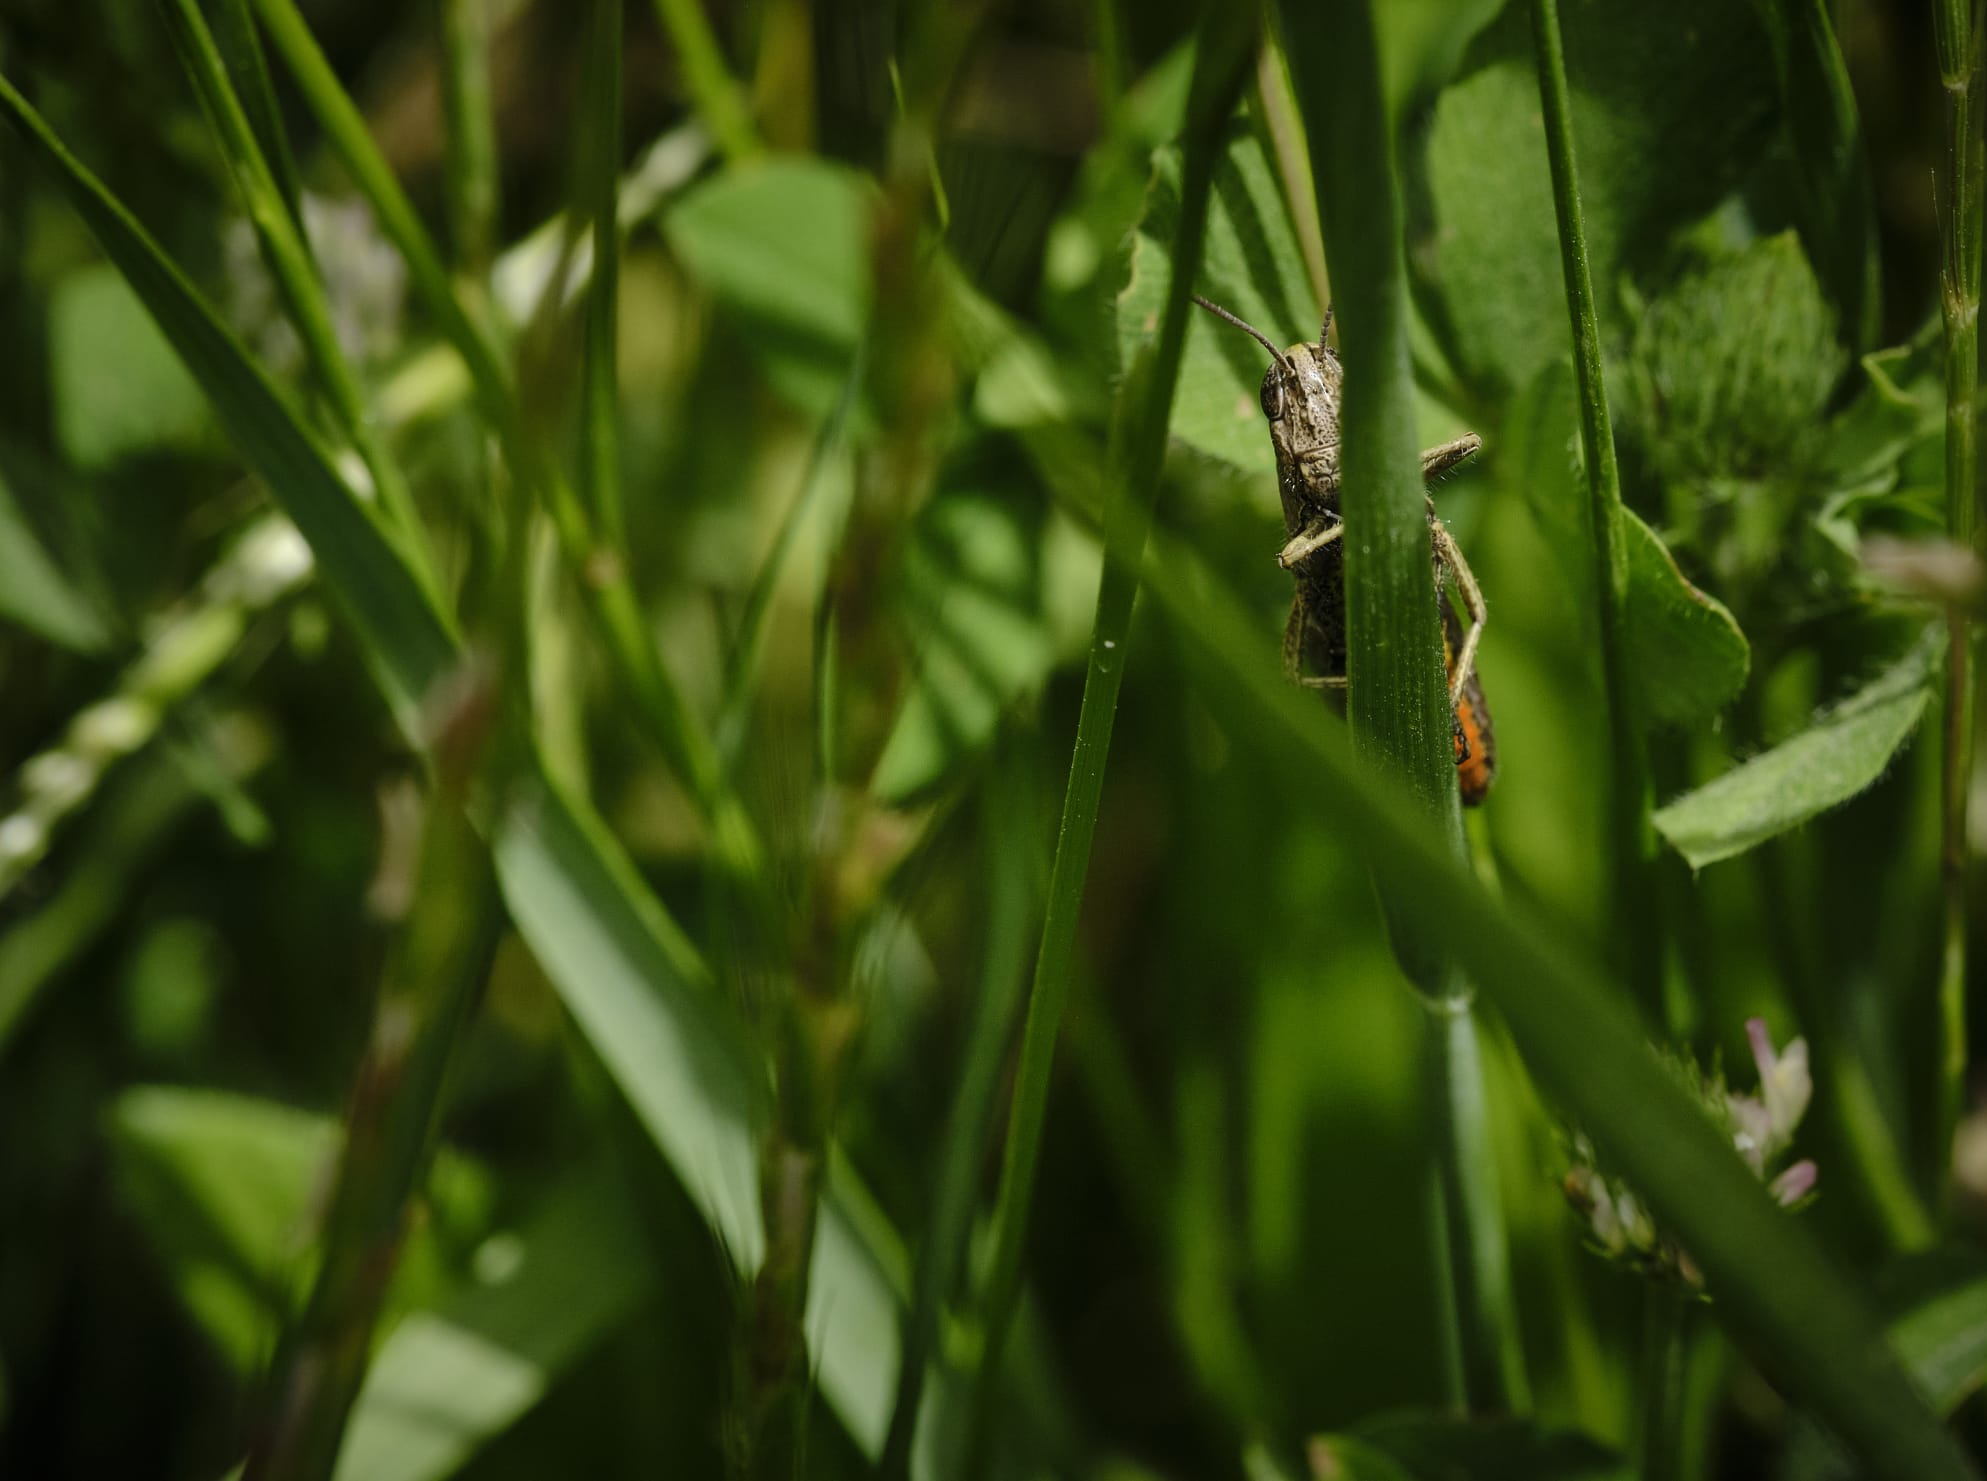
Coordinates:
[1300,392]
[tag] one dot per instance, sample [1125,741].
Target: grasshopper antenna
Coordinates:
[1247,328]
[1325,329]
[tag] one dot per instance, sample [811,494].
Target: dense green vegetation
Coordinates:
[652,821]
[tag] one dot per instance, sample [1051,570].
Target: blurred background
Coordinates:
[1231,1232]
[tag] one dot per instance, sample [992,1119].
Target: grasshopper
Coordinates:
[1300,399]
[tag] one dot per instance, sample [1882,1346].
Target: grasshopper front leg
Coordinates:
[1439,460]
[1449,558]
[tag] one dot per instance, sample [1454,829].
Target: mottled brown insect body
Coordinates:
[1301,398]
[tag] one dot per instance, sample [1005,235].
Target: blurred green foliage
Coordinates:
[863,384]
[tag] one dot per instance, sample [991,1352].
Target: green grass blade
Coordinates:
[241,50]
[1139,438]
[1398,699]
[1010,871]
[719,97]
[1832,173]
[1955,28]
[472,134]
[345,130]
[600,441]
[287,253]
[1640,953]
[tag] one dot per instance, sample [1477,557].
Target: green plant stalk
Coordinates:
[600,439]
[1958,44]
[1138,450]
[1633,892]
[719,96]
[471,135]
[286,250]
[1662,1440]
[943,1252]
[345,130]
[234,33]
[435,968]
[1277,105]
[1398,700]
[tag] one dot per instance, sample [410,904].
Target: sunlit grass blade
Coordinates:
[1139,445]
[611,600]
[287,253]
[719,96]
[346,132]
[1398,701]
[241,50]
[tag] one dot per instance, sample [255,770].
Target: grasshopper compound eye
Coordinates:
[1272,397]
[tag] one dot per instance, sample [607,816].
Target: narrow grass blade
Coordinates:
[345,130]
[719,96]
[1956,32]
[241,50]
[1640,953]
[287,253]
[1139,445]
[600,439]
[943,1252]
[471,133]
[1838,212]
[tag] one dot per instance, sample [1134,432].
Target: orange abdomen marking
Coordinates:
[1476,750]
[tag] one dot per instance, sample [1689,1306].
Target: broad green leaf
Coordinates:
[1733,365]
[1252,267]
[782,247]
[1902,404]
[449,1379]
[1672,106]
[222,1188]
[36,593]
[117,386]
[1688,656]
[1845,751]
[634,984]
[972,601]
[1440,1447]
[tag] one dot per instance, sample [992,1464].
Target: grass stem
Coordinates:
[1138,449]
[1956,30]
[1639,953]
